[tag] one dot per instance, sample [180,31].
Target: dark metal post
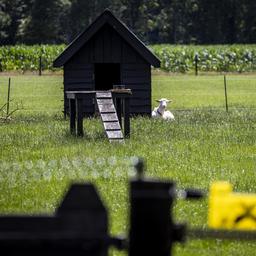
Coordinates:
[152,231]
[72,113]
[226,96]
[40,65]
[8,97]
[196,64]
[79,111]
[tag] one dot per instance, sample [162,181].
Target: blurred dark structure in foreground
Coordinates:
[80,226]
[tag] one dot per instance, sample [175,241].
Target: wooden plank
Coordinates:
[136,80]
[140,106]
[86,102]
[116,45]
[78,87]
[136,72]
[98,48]
[76,74]
[135,67]
[139,74]
[79,110]
[106,108]
[142,94]
[112,126]
[141,60]
[72,113]
[72,80]
[138,86]
[89,46]
[140,109]
[114,134]
[107,44]
[103,95]
[118,104]
[74,64]
[128,54]
[140,101]
[109,117]
[84,55]
[105,101]
[82,67]
[127,118]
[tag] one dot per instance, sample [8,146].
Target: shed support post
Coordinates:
[79,109]
[119,110]
[127,117]
[72,112]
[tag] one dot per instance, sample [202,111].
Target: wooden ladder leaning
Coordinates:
[109,117]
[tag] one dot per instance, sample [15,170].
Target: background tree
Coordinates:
[5,22]
[43,25]
[154,21]
[11,14]
[83,12]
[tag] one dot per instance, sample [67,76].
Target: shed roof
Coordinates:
[107,17]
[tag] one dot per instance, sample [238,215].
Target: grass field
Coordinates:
[39,159]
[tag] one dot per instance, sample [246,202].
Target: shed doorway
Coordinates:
[106,75]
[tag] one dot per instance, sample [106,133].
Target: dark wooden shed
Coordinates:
[107,53]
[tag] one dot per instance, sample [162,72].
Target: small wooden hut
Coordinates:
[108,53]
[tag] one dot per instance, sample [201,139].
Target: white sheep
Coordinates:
[161,112]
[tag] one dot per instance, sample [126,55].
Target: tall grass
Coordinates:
[39,159]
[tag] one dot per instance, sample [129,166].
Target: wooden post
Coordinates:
[119,110]
[79,111]
[127,117]
[196,64]
[72,113]
[8,97]
[40,65]
[1,66]
[65,107]
[226,96]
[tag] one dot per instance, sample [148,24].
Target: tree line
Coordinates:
[154,21]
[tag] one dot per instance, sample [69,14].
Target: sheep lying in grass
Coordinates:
[161,112]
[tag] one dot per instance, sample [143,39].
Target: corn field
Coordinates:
[174,58]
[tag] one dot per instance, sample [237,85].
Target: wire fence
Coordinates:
[189,93]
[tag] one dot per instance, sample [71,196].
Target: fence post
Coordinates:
[40,65]
[1,67]
[196,64]
[8,97]
[226,95]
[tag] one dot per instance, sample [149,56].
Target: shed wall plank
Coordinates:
[107,46]
[116,47]
[137,77]
[128,56]
[98,49]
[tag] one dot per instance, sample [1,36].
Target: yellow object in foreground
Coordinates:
[229,210]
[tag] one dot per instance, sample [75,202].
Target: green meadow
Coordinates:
[39,159]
